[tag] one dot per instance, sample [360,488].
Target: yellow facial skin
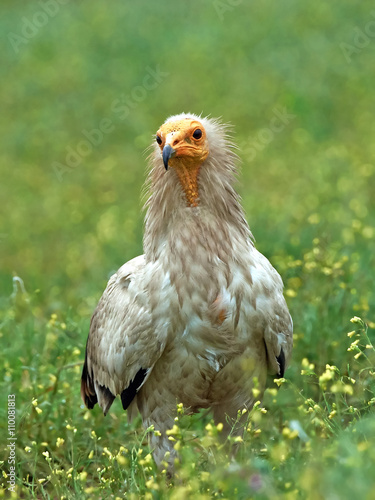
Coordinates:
[184,147]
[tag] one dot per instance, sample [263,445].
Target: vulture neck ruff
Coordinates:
[196,194]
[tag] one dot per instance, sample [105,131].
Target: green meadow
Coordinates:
[85,86]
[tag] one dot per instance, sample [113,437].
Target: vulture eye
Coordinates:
[158,139]
[197,133]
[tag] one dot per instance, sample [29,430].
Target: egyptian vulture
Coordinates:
[201,314]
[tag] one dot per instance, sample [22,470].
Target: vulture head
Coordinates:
[197,152]
[183,142]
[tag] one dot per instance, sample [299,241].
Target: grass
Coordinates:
[308,191]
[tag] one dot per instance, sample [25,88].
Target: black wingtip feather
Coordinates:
[281,361]
[130,392]
[88,393]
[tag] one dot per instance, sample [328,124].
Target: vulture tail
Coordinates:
[105,398]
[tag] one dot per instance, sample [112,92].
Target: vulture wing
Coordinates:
[278,338]
[122,346]
[278,331]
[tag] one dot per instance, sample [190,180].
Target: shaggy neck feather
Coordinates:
[216,224]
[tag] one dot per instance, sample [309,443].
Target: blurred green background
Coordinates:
[308,189]
[238,62]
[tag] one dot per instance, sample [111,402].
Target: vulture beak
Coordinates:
[168,152]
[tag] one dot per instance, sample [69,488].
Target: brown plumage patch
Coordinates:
[221,316]
[219,312]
